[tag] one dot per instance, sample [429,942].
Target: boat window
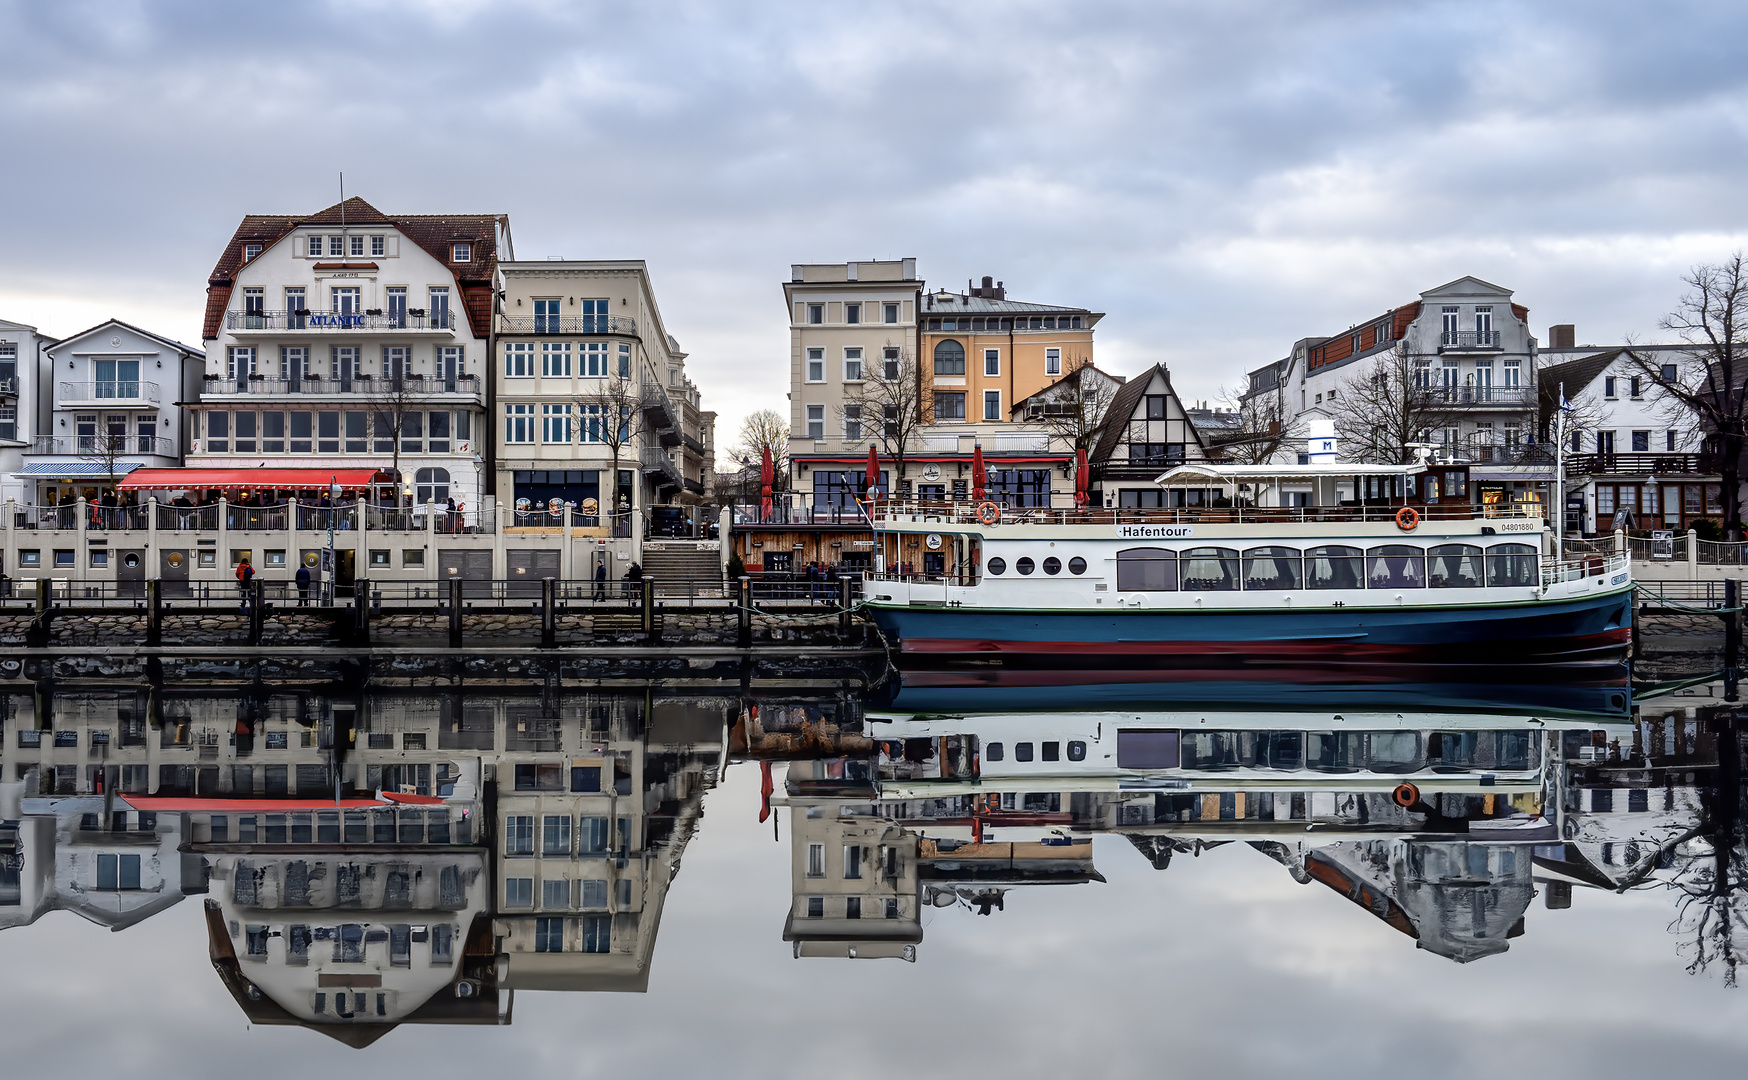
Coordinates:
[1453,566]
[1211,569]
[1395,566]
[994,751]
[1214,749]
[1272,568]
[1336,751]
[1022,751]
[1077,565]
[1052,751]
[1279,749]
[1335,567]
[1053,565]
[1511,749]
[1146,570]
[1025,566]
[998,566]
[1076,750]
[1453,751]
[1147,749]
[1396,751]
[1511,564]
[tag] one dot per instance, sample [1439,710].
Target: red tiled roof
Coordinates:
[433,232]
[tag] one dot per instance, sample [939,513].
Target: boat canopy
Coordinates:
[1201,473]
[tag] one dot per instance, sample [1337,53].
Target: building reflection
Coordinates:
[416,856]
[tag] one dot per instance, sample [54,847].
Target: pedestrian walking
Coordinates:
[303,586]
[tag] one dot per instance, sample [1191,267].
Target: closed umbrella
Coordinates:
[1082,477]
[873,484]
[765,479]
[979,475]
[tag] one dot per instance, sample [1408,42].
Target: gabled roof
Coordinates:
[432,232]
[1575,375]
[1020,405]
[1122,410]
[170,343]
[1465,285]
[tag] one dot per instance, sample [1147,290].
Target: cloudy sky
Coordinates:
[1219,177]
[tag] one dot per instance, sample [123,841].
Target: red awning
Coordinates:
[168,804]
[187,479]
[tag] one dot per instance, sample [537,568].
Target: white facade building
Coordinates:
[350,338]
[113,405]
[23,404]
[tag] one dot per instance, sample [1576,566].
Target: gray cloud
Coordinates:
[1219,178]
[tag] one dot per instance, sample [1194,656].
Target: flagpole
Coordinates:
[1560,475]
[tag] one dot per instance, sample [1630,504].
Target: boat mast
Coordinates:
[1560,476]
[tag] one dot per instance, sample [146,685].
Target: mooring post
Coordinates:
[257,609]
[455,613]
[42,595]
[154,612]
[548,612]
[743,591]
[649,621]
[361,611]
[844,608]
[1732,635]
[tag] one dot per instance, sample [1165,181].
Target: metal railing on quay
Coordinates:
[789,590]
[1716,553]
[1703,594]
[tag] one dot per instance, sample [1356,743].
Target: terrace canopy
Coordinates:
[290,479]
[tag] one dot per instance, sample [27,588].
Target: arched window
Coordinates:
[1146,570]
[1211,569]
[1395,566]
[949,358]
[1271,568]
[1511,564]
[433,485]
[1335,567]
[1453,566]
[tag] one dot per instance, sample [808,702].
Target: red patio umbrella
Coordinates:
[979,475]
[765,479]
[1082,477]
[873,484]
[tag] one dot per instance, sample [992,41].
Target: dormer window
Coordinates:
[460,253]
[250,251]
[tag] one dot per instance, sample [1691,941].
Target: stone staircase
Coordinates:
[682,565]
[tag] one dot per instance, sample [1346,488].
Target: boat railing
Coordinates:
[1555,572]
[887,515]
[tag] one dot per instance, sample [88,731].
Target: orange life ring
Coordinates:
[1407,518]
[988,513]
[1405,795]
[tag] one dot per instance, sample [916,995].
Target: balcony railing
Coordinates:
[98,446]
[1642,464]
[9,385]
[657,462]
[109,392]
[359,384]
[336,322]
[1465,340]
[567,324]
[1486,397]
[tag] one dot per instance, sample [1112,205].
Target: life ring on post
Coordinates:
[988,513]
[1407,518]
[1405,795]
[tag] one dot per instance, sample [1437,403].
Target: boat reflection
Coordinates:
[412,857]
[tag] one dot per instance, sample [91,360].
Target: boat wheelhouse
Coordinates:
[1308,573]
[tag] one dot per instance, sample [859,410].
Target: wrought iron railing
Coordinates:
[566,324]
[338,321]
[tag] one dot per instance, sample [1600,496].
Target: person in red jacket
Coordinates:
[245,574]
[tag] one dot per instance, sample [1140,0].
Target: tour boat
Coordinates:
[1315,575]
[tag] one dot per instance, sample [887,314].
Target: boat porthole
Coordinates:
[1076,750]
[1077,565]
[998,565]
[1053,565]
[1024,566]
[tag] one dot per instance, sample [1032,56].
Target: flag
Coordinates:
[1565,406]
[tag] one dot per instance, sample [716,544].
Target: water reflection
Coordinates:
[416,857]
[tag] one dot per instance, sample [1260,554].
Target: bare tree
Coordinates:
[1075,408]
[106,448]
[884,409]
[1265,427]
[395,399]
[1710,380]
[1392,406]
[610,415]
[766,429]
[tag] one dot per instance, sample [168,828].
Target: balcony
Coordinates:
[9,386]
[364,385]
[573,324]
[660,415]
[1458,341]
[304,321]
[102,446]
[1483,397]
[657,463]
[1642,464]
[108,394]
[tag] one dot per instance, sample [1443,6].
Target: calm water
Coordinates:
[583,883]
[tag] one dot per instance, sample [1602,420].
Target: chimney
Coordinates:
[1000,292]
[1563,336]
